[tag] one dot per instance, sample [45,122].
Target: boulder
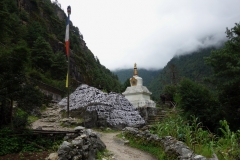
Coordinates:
[101,109]
[84,147]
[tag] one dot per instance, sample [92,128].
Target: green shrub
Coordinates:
[32,119]
[152,148]
[199,138]
[20,118]
[15,142]
[8,143]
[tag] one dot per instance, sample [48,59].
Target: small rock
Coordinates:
[126,142]
[66,138]
[39,128]
[78,138]
[52,156]
[83,136]
[79,128]
[77,142]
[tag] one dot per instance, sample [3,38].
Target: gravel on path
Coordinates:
[121,151]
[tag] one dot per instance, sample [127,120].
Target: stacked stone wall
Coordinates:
[81,146]
[173,147]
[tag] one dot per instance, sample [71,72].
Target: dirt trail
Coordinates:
[50,121]
[121,151]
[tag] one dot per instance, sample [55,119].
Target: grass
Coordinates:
[43,108]
[195,136]
[32,119]
[158,153]
[199,139]
[103,154]
[154,150]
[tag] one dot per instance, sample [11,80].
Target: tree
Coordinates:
[35,30]
[12,66]
[226,66]
[168,94]
[30,98]
[58,66]
[41,54]
[125,85]
[195,99]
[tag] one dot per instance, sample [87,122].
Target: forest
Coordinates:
[32,38]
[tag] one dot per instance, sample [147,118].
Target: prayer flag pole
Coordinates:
[67,43]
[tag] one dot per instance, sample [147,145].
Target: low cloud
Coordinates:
[150,33]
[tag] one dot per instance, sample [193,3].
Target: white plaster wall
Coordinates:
[137,97]
[149,103]
[139,80]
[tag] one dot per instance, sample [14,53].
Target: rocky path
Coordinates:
[51,121]
[121,151]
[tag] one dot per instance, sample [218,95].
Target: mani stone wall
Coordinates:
[102,109]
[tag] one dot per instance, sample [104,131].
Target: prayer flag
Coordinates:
[67,81]
[67,37]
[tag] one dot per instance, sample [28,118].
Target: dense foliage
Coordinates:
[199,138]
[191,66]
[194,134]
[196,99]
[218,97]
[32,51]
[226,67]
[25,141]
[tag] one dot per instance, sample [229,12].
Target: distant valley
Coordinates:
[191,65]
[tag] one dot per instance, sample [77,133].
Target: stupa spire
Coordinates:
[135,72]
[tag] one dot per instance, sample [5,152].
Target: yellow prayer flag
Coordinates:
[67,81]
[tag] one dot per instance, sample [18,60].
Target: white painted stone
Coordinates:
[113,107]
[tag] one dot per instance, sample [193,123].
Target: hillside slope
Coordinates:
[38,26]
[32,52]
[190,65]
[147,75]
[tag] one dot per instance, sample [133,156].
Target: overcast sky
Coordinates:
[150,32]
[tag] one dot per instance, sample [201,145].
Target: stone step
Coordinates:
[47,115]
[153,119]
[49,119]
[156,117]
[162,115]
[47,126]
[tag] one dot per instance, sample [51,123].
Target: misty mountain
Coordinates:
[191,66]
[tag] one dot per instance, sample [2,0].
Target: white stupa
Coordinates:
[138,94]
